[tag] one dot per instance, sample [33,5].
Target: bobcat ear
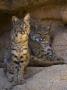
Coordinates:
[14,19]
[27,20]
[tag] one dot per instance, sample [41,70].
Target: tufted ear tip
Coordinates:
[14,19]
[27,17]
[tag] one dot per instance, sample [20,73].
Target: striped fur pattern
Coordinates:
[19,49]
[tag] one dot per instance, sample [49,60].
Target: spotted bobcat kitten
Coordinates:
[41,36]
[19,52]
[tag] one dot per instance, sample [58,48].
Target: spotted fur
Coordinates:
[19,56]
[41,42]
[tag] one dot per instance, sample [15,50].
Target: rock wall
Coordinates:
[43,9]
[15,4]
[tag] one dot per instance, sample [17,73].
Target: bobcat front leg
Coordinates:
[19,72]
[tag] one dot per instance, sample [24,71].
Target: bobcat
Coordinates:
[18,58]
[41,43]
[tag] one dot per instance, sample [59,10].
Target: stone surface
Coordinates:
[40,78]
[42,12]
[14,4]
[64,15]
[60,44]
[50,78]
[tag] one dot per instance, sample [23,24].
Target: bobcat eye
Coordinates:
[39,39]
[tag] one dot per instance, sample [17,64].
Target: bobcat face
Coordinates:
[43,39]
[20,37]
[21,26]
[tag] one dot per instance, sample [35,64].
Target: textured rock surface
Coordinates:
[41,9]
[41,78]
[60,44]
[14,4]
[50,78]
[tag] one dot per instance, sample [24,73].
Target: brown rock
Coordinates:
[15,4]
[64,15]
